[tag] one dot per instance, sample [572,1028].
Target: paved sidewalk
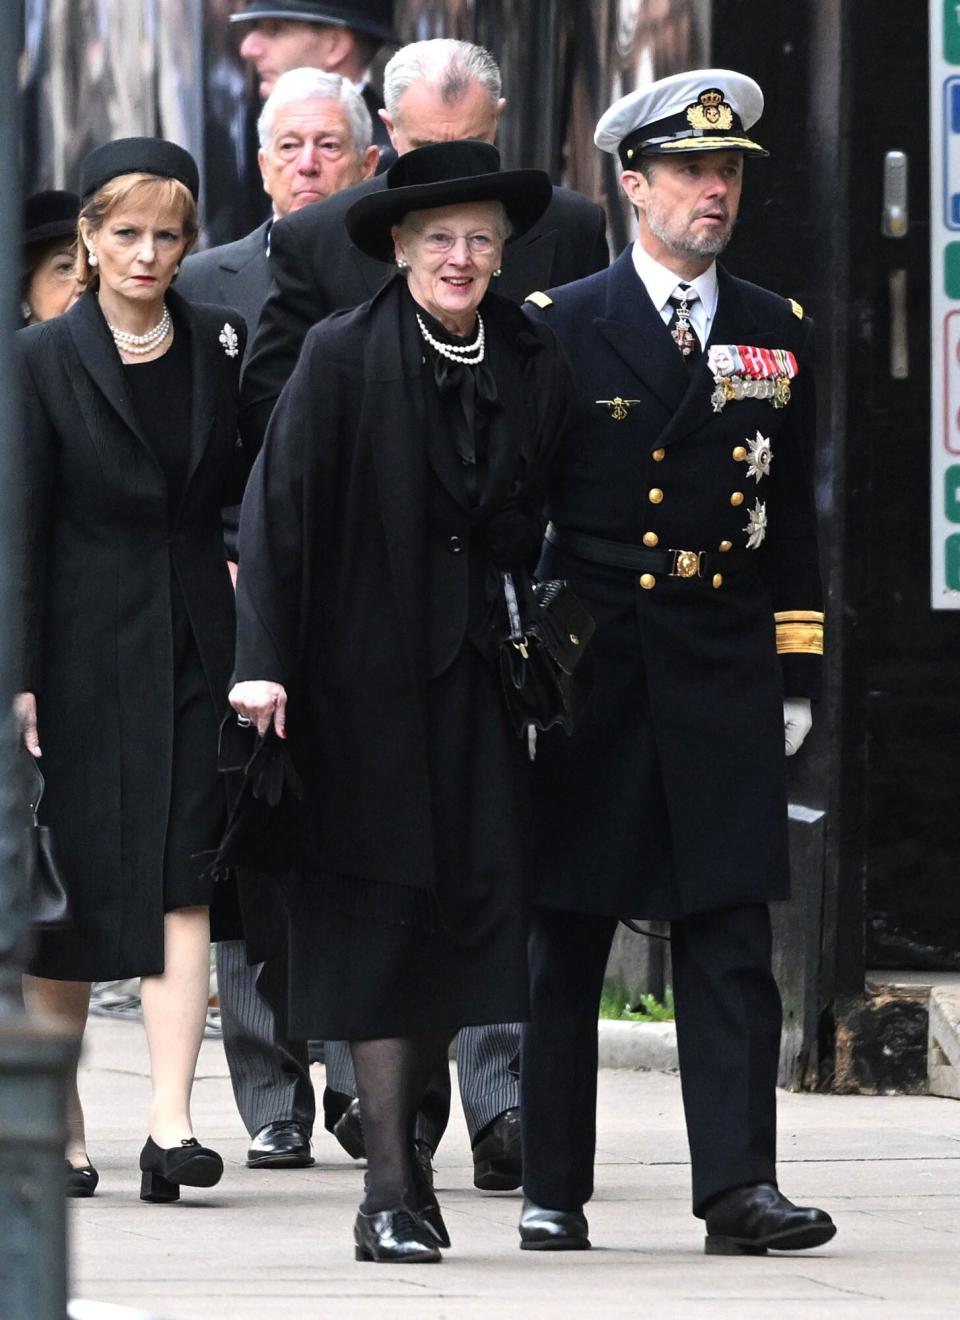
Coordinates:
[279,1244]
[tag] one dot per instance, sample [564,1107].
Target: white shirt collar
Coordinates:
[660,282]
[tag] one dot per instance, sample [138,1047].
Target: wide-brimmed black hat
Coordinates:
[375,18]
[137,155]
[445,174]
[49,215]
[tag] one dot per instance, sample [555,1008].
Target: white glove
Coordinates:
[797,723]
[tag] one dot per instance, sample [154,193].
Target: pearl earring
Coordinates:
[402,263]
[497,272]
[92,257]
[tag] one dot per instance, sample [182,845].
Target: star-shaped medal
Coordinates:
[759,458]
[756,527]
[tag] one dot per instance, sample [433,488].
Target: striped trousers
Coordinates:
[270,1073]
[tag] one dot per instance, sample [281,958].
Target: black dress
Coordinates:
[161,395]
[468,966]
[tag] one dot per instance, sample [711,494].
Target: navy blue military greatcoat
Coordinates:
[670,799]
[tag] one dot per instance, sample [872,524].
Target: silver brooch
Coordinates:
[229,340]
[760,458]
[756,527]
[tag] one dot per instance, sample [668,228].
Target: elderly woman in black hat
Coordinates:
[402,473]
[49,283]
[129,453]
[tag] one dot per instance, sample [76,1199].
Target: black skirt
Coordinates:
[94,946]
[355,978]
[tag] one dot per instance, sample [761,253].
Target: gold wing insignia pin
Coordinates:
[619,408]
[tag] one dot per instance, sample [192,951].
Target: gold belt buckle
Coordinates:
[686,563]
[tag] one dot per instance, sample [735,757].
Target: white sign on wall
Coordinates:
[945,304]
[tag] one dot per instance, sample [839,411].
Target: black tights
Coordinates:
[392,1077]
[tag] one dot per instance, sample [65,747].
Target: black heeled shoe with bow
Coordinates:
[189,1164]
[82,1179]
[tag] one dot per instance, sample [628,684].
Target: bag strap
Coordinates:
[513,609]
[40,786]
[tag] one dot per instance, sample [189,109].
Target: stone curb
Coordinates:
[651,1046]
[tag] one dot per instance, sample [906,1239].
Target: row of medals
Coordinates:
[728,388]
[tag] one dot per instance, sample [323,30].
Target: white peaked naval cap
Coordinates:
[703,110]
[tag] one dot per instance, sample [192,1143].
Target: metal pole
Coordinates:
[34,1056]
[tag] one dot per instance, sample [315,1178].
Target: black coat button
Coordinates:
[455,545]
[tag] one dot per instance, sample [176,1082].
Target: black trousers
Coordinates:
[728,1038]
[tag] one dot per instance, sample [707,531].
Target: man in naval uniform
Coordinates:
[682,512]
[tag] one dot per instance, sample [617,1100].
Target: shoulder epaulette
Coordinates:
[540,300]
[796,308]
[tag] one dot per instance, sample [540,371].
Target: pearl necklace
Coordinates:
[137,344]
[468,355]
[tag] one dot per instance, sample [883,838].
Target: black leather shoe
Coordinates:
[552,1230]
[747,1221]
[428,1207]
[189,1163]
[497,1162]
[282,1145]
[399,1236]
[82,1180]
[348,1130]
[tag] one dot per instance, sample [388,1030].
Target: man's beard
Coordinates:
[688,244]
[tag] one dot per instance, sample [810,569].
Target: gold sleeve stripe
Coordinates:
[799,616]
[539,299]
[796,308]
[800,639]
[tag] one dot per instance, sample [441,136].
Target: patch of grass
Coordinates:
[613,1004]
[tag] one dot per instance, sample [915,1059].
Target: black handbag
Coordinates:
[544,665]
[49,904]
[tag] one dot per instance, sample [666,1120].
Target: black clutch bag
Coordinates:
[49,904]
[544,665]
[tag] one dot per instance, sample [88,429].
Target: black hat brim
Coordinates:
[359,23]
[525,195]
[46,233]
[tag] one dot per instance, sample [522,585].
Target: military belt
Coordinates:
[639,559]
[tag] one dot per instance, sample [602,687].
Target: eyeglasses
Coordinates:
[440,241]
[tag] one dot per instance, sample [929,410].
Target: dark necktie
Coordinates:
[680,326]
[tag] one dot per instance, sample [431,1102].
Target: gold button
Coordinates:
[658,455]
[655,496]
[648,581]
[718,579]
[725,546]
[740,453]
[651,539]
[736,498]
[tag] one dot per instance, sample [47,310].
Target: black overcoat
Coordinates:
[671,799]
[331,599]
[99,644]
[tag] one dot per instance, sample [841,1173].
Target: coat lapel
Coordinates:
[244,269]
[733,323]
[203,339]
[633,328]
[98,354]
[395,424]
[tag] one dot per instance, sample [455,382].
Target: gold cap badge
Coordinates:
[710,111]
